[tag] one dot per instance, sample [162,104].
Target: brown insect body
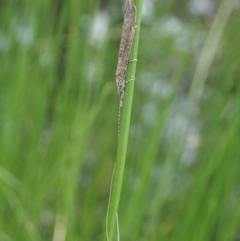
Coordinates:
[128,30]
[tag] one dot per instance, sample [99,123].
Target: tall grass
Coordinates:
[59,111]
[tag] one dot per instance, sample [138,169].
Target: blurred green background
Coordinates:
[59,111]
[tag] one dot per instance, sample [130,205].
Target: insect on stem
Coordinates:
[128,30]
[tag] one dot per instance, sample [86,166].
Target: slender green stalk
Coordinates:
[210,49]
[124,132]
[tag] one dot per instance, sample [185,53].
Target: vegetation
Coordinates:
[59,113]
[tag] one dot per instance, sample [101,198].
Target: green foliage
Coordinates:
[59,112]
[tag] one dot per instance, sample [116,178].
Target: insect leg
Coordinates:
[127,81]
[133,60]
